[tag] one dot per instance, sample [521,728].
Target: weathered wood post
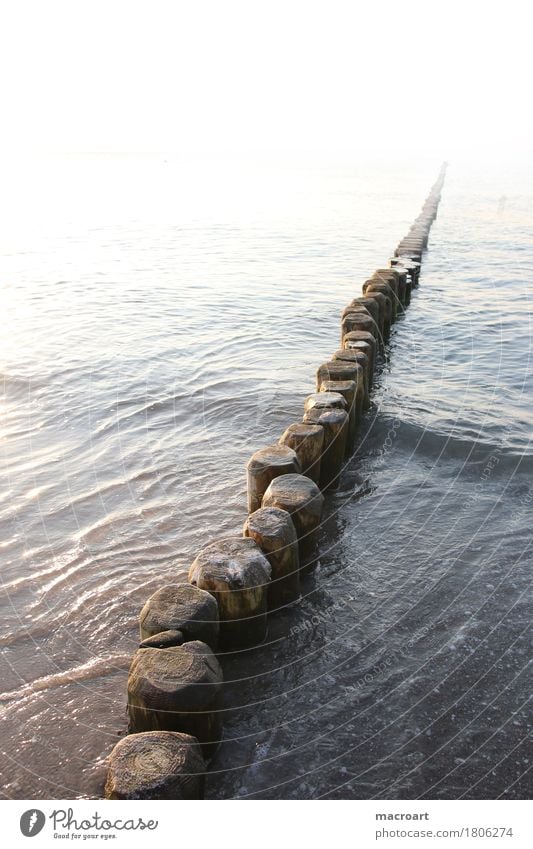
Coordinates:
[392,282]
[325,401]
[412,267]
[358,356]
[353,339]
[340,371]
[302,499]
[264,466]
[407,284]
[369,306]
[337,370]
[411,248]
[399,274]
[348,390]
[374,286]
[181,608]
[413,251]
[385,310]
[237,573]
[156,765]
[274,532]
[308,441]
[375,308]
[359,321]
[410,264]
[335,424]
[176,689]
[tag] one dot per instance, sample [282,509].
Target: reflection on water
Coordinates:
[161,322]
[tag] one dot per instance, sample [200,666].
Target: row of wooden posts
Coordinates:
[175,680]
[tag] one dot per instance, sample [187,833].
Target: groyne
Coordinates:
[175,682]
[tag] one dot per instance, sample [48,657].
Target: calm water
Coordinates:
[160,323]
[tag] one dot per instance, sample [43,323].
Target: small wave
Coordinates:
[59,566]
[16,384]
[434,442]
[94,668]
[35,632]
[150,407]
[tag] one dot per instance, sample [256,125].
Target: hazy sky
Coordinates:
[341,78]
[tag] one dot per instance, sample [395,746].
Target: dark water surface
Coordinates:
[163,322]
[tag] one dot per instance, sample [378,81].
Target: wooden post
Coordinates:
[348,390]
[365,304]
[274,532]
[176,689]
[156,765]
[352,340]
[337,370]
[407,285]
[266,464]
[184,608]
[335,424]
[399,275]
[384,310]
[353,355]
[406,249]
[325,401]
[308,441]
[359,321]
[376,310]
[392,282]
[372,286]
[302,499]
[410,265]
[237,573]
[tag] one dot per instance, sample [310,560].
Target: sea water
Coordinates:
[161,320]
